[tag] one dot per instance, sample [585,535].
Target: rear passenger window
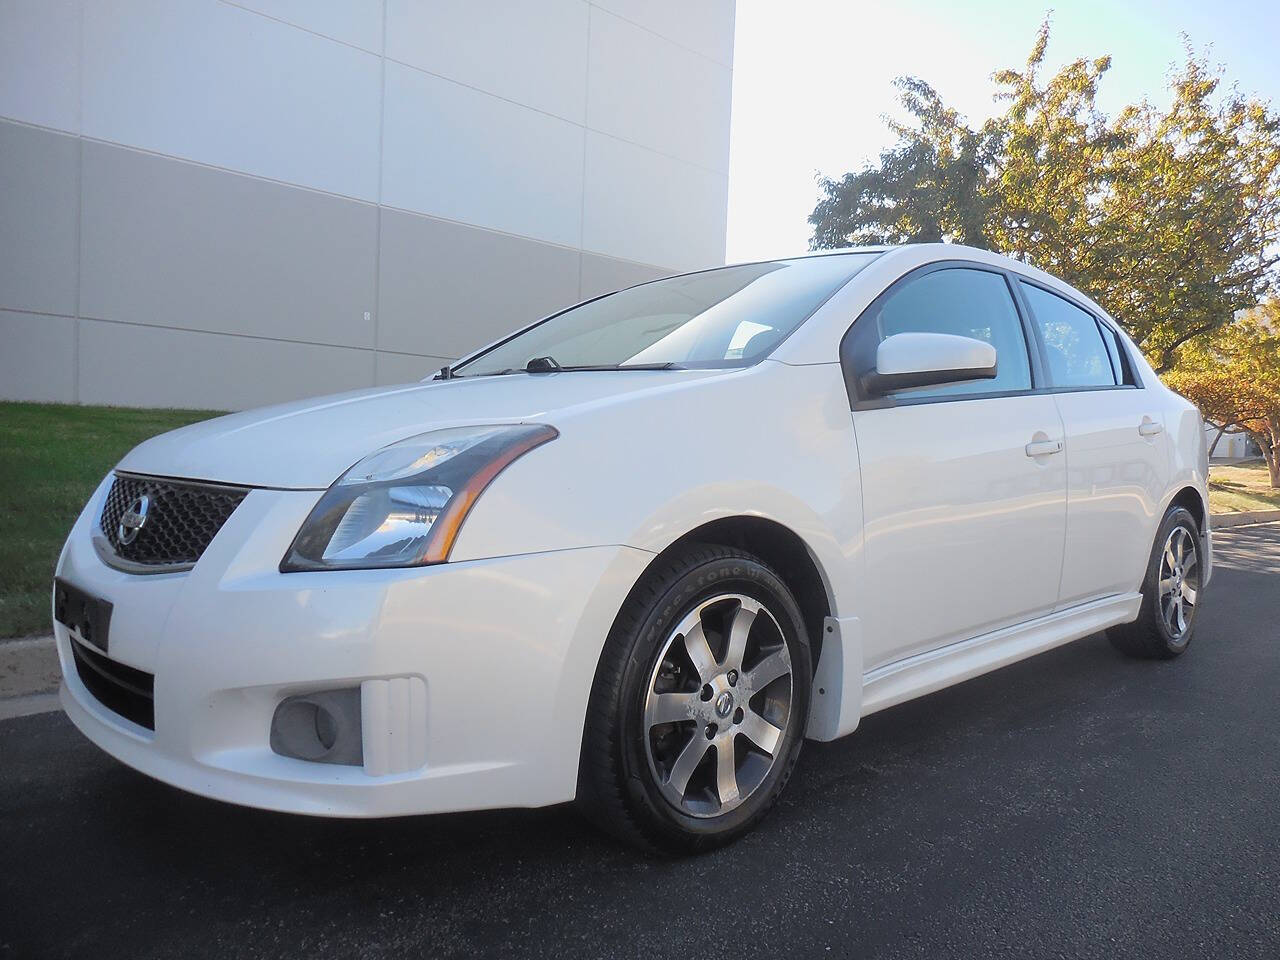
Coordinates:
[968,303]
[1078,357]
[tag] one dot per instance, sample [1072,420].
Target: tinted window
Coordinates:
[726,317]
[1077,355]
[1116,352]
[968,303]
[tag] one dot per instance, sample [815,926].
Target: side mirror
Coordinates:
[907,360]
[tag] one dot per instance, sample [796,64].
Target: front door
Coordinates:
[963,485]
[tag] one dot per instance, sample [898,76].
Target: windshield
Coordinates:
[731,316]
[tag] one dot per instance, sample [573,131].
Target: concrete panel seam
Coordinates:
[555,116]
[377,226]
[315,33]
[38,313]
[582,194]
[196,163]
[521,236]
[385,206]
[246,336]
[75,342]
[663,36]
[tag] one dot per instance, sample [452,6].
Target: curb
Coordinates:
[12,707]
[29,673]
[1224,521]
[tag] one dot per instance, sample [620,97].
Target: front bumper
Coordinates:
[505,649]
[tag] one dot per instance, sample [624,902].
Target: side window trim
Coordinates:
[1130,371]
[1129,378]
[849,362]
[1113,351]
[1035,339]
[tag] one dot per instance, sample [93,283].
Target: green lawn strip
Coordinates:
[52,456]
[1241,487]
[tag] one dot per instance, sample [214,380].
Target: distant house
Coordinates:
[1234,445]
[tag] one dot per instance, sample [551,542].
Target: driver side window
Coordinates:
[966,303]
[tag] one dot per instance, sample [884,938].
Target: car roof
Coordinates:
[949,251]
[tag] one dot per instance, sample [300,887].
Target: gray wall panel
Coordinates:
[38,197]
[37,359]
[152,366]
[221,85]
[176,244]
[447,289]
[605,274]
[224,204]
[403,368]
[40,62]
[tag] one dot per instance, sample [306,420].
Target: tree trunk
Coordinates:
[1214,446]
[1268,441]
[1270,444]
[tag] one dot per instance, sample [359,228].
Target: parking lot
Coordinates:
[1076,804]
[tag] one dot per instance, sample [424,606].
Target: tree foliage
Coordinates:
[1167,217]
[1233,376]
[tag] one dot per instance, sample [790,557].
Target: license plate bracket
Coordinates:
[87,617]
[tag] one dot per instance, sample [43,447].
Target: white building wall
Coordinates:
[1234,445]
[215,204]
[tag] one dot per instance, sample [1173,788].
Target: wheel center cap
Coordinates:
[724,704]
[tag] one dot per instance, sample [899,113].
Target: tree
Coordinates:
[933,186]
[1169,218]
[1234,378]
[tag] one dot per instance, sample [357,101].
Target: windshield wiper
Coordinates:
[550,365]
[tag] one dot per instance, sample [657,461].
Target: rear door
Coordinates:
[963,485]
[1116,448]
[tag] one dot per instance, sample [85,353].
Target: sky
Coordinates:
[813,80]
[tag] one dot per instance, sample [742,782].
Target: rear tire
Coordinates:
[1171,593]
[699,706]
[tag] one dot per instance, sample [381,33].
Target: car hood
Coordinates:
[310,443]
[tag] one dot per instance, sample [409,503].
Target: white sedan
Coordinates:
[636,553]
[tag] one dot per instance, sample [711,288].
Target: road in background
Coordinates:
[1076,804]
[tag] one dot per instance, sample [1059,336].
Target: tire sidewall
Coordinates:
[725,575]
[1177,517]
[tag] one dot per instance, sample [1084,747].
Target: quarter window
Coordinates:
[1077,354]
[1123,374]
[967,303]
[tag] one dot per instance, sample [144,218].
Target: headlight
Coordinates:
[402,506]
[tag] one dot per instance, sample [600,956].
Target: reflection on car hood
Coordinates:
[310,443]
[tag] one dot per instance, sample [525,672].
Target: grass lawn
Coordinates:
[1241,487]
[52,457]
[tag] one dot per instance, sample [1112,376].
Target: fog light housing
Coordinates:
[322,727]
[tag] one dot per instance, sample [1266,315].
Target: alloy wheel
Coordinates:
[1179,582]
[717,705]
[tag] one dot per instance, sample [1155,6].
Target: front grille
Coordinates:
[121,689]
[181,518]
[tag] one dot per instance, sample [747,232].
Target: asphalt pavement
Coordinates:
[1075,805]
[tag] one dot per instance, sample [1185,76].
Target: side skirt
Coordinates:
[924,673]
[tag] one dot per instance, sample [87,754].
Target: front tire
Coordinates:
[700,702]
[1170,593]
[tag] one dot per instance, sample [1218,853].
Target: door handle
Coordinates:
[1149,427]
[1043,448]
